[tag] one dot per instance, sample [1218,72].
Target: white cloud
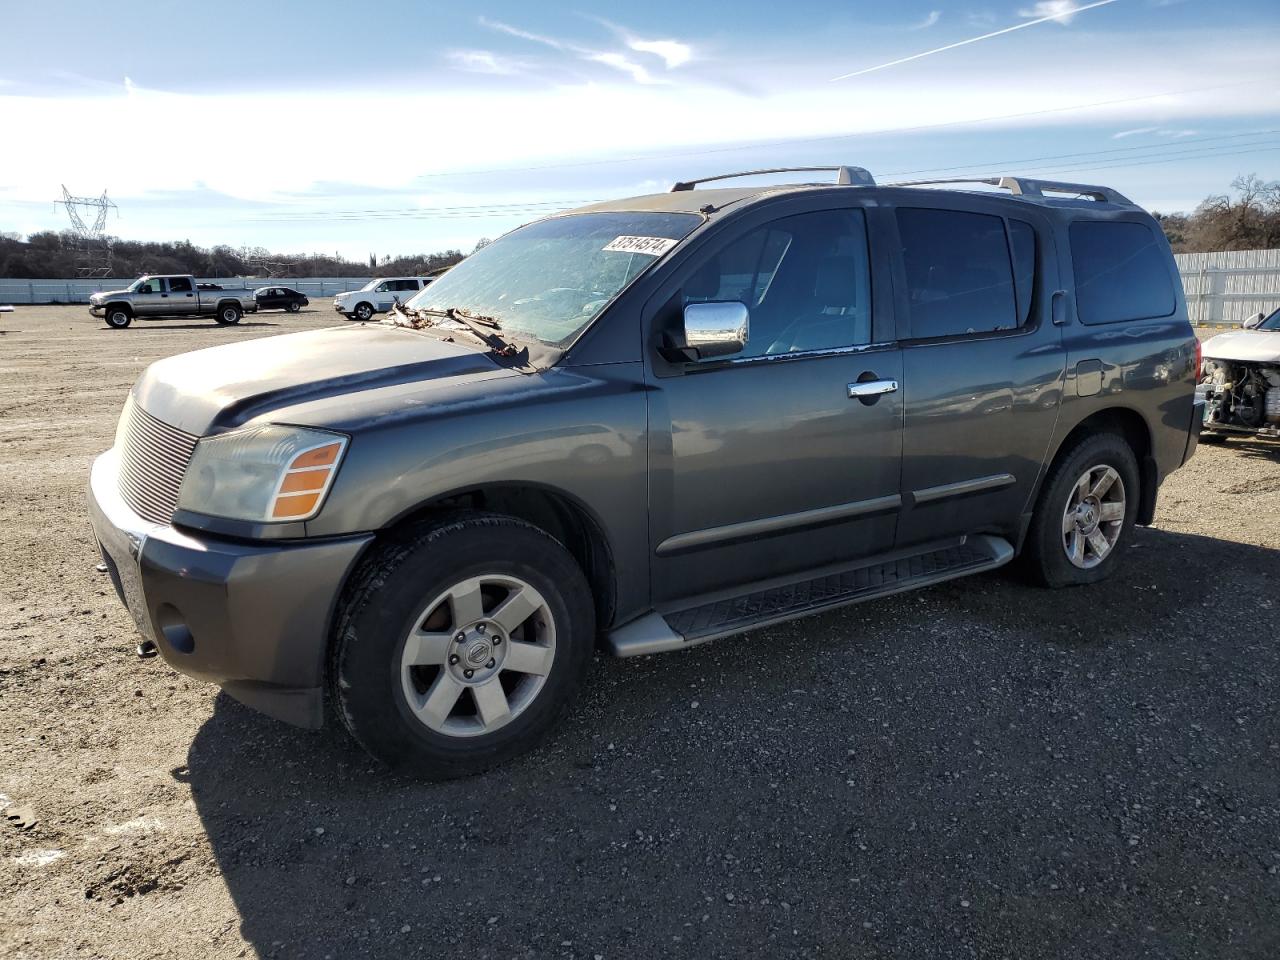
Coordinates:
[620,62]
[933,17]
[1135,132]
[1175,134]
[524,34]
[1063,11]
[483,61]
[673,52]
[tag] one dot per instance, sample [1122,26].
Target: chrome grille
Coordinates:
[153,459]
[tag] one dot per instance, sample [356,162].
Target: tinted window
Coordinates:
[382,288]
[179,285]
[1023,237]
[806,280]
[1121,271]
[959,277]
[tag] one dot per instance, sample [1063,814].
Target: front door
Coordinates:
[982,366]
[765,464]
[151,298]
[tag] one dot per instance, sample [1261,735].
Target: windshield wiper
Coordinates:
[479,326]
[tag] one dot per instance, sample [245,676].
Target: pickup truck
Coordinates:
[648,424]
[176,295]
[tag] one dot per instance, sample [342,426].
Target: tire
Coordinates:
[294,306]
[118,317]
[1061,550]
[228,314]
[364,312]
[432,720]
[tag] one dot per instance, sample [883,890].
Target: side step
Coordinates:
[774,603]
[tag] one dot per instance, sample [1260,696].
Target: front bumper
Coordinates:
[97,309]
[340,307]
[251,617]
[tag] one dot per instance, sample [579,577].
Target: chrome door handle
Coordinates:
[872,388]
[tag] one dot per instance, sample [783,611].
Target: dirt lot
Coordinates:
[982,769]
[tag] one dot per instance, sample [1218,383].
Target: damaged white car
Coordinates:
[1240,380]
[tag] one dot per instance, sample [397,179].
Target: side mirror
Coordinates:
[1253,321]
[709,330]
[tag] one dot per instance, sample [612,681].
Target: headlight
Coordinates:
[264,474]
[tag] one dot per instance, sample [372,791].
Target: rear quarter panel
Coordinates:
[1146,366]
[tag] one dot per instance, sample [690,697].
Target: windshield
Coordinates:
[548,280]
[372,283]
[1271,323]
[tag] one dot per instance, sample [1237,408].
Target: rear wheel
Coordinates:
[294,306]
[364,312]
[461,644]
[1087,507]
[118,317]
[228,313]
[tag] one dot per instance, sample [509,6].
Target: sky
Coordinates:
[401,127]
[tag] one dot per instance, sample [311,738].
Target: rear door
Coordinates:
[983,363]
[763,464]
[182,296]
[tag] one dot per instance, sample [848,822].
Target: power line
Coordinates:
[1087,153]
[1131,156]
[799,141]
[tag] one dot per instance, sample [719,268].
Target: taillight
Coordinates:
[1199,359]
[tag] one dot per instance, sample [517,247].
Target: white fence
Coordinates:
[1225,289]
[77,291]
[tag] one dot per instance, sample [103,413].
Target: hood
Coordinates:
[103,294]
[1245,346]
[223,387]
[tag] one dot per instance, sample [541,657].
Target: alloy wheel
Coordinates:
[1093,517]
[478,655]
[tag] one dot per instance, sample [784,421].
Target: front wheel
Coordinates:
[228,313]
[1087,506]
[294,306]
[364,312]
[461,644]
[118,317]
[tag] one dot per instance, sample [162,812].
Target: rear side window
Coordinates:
[1121,272]
[179,285]
[1022,236]
[959,272]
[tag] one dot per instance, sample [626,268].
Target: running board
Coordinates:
[659,632]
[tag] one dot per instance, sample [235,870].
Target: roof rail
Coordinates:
[854,176]
[1025,186]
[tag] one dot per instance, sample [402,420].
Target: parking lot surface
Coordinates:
[982,769]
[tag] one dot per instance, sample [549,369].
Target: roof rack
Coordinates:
[1025,186]
[852,176]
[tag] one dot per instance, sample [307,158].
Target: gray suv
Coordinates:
[641,425]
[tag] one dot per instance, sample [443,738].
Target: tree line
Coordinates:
[1246,218]
[55,254]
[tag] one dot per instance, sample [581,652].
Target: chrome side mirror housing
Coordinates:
[710,330]
[1253,321]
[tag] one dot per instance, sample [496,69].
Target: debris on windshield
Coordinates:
[468,322]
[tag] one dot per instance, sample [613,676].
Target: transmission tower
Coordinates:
[91,244]
[263,264]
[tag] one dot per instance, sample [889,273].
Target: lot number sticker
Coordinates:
[654,246]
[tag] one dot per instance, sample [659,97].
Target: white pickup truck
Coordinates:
[176,295]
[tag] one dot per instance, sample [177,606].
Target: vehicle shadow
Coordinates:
[1260,449]
[982,762]
[162,325]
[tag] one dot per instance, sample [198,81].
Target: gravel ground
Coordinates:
[980,769]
